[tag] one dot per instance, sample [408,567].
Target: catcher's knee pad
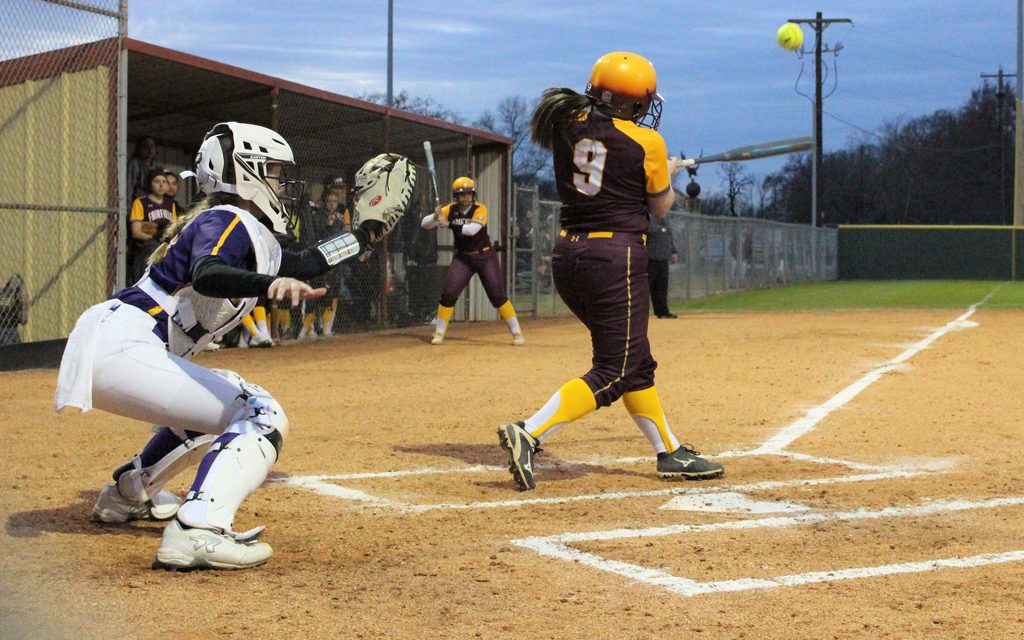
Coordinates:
[236,464]
[264,411]
[167,453]
[230,375]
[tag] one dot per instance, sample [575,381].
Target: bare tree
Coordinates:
[736,184]
[948,167]
[512,119]
[426,106]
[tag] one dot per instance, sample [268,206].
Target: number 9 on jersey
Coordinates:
[589,156]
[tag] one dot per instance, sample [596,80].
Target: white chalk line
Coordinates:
[564,464]
[557,547]
[813,416]
[326,484]
[367,501]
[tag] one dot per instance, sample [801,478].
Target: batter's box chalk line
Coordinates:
[558,547]
[776,445]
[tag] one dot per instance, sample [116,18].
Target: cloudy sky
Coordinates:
[726,81]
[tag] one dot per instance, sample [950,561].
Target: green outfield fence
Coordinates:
[925,252]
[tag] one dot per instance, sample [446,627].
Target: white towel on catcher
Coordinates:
[74,382]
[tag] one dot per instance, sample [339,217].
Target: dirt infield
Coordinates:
[860,500]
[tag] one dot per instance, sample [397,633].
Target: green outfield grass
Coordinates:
[856,294]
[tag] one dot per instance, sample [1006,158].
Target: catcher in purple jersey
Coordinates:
[131,355]
[467,219]
[612,172]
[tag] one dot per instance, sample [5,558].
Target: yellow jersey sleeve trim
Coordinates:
[446,210]
[655,155]
[137,213]
[224,236]
[480,215]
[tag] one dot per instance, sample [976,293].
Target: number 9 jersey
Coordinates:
[605,170]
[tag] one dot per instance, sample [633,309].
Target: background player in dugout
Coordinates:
[467,219]
[132,355]
[612,173]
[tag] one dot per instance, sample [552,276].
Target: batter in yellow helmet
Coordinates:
[467,219]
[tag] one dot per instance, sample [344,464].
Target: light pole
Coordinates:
[391,56]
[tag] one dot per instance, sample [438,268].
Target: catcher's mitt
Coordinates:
[149,228]
[383,188]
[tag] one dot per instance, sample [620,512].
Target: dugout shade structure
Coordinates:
[67,255]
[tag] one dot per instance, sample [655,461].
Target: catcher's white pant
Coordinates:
[133,375]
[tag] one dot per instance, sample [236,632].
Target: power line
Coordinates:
[886,36]
[906,147]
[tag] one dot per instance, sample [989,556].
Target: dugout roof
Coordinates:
[178,96]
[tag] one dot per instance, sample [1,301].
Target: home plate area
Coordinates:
[785,526]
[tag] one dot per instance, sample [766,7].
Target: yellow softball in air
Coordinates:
[790,36]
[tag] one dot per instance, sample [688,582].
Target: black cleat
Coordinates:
[520,446]
[684,462]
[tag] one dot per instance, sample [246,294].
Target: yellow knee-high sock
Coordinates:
[327,319]
[279,320]
[259,314]
[444,316]
[644,407]
[307,322]
[276,319]
[571,402]
[249,324]
[508,314]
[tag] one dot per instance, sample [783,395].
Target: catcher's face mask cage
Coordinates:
[282,179]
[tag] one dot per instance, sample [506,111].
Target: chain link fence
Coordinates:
[398,283]
[59,205]
[76,95]
[715,254]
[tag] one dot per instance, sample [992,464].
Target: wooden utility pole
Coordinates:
[819,25]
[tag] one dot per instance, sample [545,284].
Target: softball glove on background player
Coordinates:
[383,189]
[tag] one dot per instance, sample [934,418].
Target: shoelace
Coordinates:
[688,448]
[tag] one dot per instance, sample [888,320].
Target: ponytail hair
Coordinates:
[558,108]
[174,230]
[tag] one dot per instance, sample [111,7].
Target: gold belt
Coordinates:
[595,234]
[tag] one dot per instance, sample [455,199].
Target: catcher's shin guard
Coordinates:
[113,508]
[236,465]
[166,454]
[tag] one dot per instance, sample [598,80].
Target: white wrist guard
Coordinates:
[339,248]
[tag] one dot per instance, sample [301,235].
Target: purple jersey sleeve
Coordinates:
[222,234]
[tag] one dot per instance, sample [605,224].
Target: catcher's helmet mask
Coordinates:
[233,159]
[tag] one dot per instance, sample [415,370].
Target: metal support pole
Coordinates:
[122,145]
[391,57]
[1018,146]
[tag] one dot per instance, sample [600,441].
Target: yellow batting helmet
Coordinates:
[626,85]
[463,185]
